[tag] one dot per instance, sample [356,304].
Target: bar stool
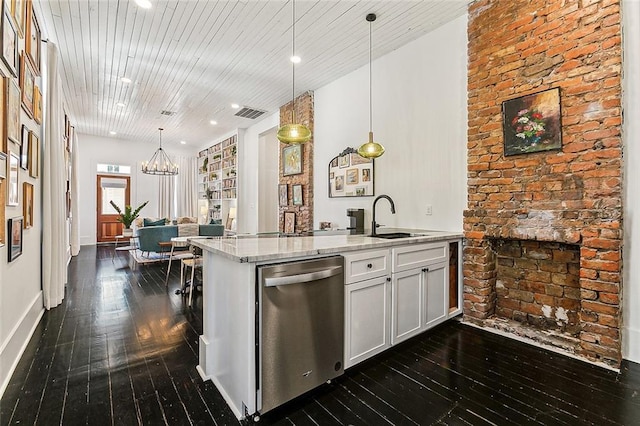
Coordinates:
[193,263]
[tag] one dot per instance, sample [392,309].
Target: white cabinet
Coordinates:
[367,311]
[407,304]
[436,294]
[367,304]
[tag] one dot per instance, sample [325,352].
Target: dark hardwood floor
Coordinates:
[122,350]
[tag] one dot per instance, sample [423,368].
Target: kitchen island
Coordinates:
[377,272]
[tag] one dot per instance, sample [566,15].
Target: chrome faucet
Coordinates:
[374,225]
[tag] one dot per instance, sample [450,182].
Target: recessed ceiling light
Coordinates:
[214,122]
[120,105]
[295,59]
[235,106]
[125,80]
[183,142]
[112,132]
[145,4]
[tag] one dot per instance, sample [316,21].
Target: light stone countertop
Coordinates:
[262,248]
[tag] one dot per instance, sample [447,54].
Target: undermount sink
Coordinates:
[393,235]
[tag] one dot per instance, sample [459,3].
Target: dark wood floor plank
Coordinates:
[122,349]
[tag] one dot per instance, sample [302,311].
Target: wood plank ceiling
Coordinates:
[196,58]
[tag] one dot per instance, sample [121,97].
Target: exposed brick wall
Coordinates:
[304,213]
[571,196]
[538,283]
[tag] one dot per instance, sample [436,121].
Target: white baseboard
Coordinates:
[631,344]
[13,347]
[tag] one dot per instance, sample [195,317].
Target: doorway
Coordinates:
[268,173]
[116,188]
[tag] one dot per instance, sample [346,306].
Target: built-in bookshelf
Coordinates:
[217,180]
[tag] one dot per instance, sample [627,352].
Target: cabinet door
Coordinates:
[436,293]
[407,310]
[367,319]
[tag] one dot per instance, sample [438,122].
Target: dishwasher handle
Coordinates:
[303,278]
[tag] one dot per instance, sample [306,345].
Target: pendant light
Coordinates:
[293,133]
[160,164]
[370,149]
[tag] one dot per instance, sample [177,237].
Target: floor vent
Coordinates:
[251,113]
[169,113]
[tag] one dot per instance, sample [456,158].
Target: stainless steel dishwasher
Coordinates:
[301,328]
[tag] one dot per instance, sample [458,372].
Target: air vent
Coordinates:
[249,113]
[169,113]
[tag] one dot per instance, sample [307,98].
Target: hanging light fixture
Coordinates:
[160,164]
[370,149]
[294,133]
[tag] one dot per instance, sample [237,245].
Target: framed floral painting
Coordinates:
[9,40]
[532,123]
[292,160]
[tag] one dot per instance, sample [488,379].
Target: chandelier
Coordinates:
[160,164]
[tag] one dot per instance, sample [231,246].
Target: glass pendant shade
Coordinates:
[294,133]
[371,149]
[160,164]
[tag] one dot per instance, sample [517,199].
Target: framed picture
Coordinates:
[34,155]
[18,11]
[3,166]
[229,223]
[531,123]
[283,194]
[4,145]
[32,41]
[292,160]
[359,171]
[27,204]
[12,187]
[37,105]
[289,222]
[15,237]
[352,176]
[24,148]
[297,195]
[9,40]
[27,84]
[13,109]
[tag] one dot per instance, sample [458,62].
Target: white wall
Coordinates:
[631,137]
[268,174]
[419,115]
[105,150]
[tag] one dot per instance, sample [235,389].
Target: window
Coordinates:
[114,169]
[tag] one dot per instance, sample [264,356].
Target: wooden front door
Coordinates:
[116,188]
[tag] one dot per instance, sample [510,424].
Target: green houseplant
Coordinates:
[128,216]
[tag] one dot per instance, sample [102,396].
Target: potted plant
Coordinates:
[128,216]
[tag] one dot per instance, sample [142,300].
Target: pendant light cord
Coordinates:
[161,129]
[370,97]
[293,64]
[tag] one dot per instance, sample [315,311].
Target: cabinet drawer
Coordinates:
[418,255]
[364,265]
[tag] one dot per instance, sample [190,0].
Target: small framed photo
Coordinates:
[344,161]
[13,110]
[27,204]
[18,10]
[283,194]
[15,237]
[33,38]
[361,191]
[12,187]
[339,183]
[34,155]
[24,148]
[297,195]
[289,222]
[352,176]
[9,40]
[531,123]
[292,160]
[27,84]
[366,175]
[37,105]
